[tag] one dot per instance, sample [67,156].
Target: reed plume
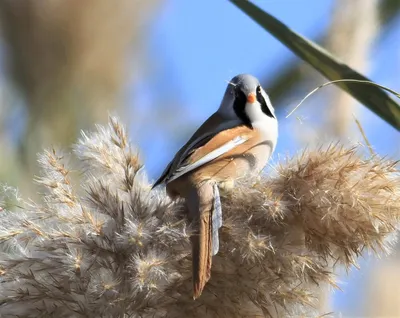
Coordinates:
[108,246]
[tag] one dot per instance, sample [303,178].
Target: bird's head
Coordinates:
[245,99]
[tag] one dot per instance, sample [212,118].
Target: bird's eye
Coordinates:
[258,89]
[239,106]
[240,95]
[236,91]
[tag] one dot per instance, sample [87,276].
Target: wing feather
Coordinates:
[208,157]
[211,127]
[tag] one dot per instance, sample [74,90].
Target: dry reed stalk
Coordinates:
[111,247]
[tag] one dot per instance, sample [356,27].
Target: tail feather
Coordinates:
[201,255]
[216,220]
[201,205]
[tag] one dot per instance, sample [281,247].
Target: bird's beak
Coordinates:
[251,98]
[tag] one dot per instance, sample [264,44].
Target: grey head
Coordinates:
[245,99]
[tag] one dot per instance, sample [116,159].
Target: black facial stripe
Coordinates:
[264,106]
[239,107]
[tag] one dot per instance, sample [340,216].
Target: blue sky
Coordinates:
[194,50]
[196,46]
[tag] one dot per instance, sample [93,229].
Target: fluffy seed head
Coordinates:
[111,247]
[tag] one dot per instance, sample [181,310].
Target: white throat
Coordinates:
[267,126]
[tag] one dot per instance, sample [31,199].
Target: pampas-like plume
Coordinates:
[111,247]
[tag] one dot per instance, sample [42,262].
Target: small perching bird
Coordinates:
[235,142]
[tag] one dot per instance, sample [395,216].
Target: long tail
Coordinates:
[203,203]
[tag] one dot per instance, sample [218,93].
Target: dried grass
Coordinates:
[111,247]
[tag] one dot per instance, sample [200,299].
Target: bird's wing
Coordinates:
[229,145]
[180,164]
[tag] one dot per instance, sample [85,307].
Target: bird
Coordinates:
[235,142]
